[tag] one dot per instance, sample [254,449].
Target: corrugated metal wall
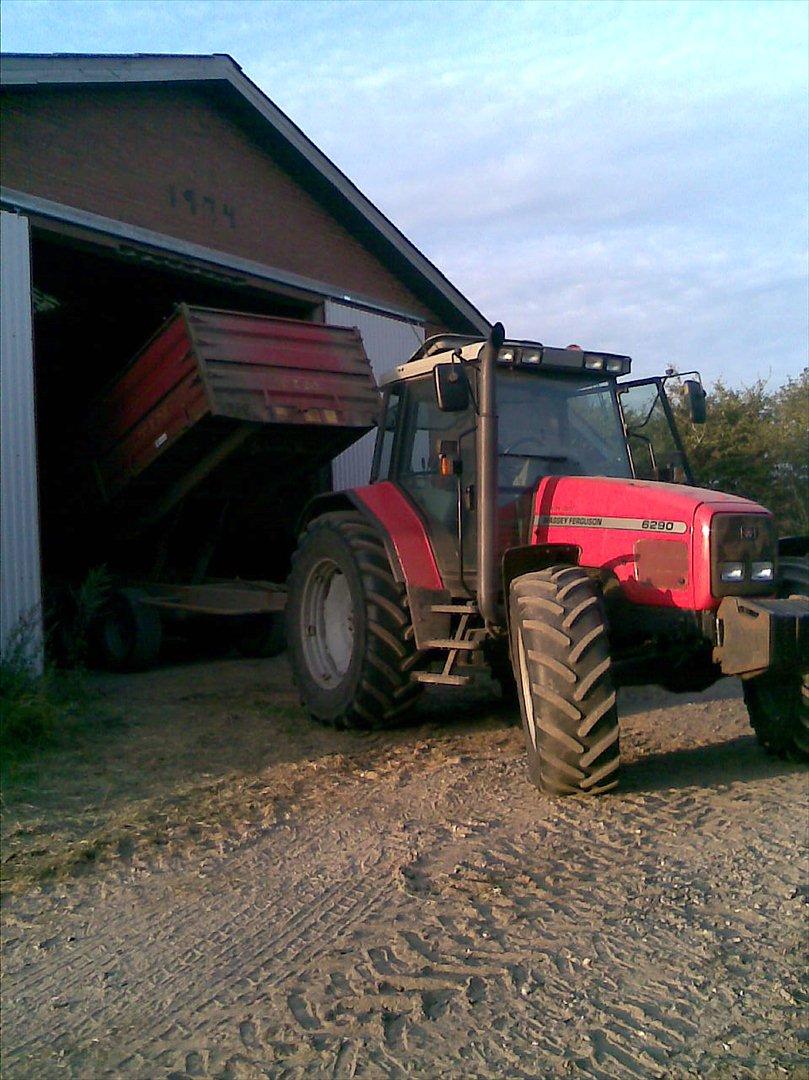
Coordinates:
[20,588]
[388,342]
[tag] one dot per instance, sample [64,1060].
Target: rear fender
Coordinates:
[336,502]
[407,545]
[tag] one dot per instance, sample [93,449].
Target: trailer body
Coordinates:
[201,453]
[209,379]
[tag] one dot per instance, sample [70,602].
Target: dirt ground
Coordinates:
[216,887]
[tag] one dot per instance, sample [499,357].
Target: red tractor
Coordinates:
[530,513]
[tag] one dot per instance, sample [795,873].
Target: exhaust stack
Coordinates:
[486,480]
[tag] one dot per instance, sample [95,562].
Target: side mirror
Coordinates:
[451,388]
[696,401]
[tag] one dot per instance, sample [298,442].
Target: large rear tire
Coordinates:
[349,633]
[561,657]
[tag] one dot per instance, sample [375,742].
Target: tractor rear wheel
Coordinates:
[349,633]
[561,656]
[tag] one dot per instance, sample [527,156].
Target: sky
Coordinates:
[630,176]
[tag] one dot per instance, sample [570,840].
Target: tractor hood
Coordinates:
[655,538]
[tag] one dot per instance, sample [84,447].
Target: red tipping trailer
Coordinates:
[201,455]
[208,379]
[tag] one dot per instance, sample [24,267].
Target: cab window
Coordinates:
[425,429]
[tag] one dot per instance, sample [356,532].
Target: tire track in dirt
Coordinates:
[443,918]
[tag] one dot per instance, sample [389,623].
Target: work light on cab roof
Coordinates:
[533,354]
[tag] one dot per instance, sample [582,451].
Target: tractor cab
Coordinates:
[560,412]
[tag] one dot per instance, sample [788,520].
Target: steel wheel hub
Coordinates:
[328,623]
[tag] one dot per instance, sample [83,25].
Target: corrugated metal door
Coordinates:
[20,588]
[388,342]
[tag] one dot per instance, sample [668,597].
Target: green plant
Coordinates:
[36,709]
[71,614]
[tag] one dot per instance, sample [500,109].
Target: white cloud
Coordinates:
[632,175]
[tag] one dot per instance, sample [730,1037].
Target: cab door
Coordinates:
[416,435]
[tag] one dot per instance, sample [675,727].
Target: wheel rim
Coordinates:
[327,630]
[525,690]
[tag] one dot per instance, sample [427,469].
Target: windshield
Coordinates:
[559,425]
[657,453]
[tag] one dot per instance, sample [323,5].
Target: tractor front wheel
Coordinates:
[349,633]
[778,707]
[561,657]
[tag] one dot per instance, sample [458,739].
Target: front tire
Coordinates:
[349,633]
[778,707]
[778,702]
[561,657]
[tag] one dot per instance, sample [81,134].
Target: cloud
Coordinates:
[631,175]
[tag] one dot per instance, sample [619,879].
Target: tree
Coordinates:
[755,444]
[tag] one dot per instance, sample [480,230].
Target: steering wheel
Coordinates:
[530,439]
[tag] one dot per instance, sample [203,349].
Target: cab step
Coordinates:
[444,680]
[454,609]
[451,643]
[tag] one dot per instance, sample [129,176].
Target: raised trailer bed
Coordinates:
[202,453]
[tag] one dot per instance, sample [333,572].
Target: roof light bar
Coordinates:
[534,355]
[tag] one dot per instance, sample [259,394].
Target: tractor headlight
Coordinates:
[762,571]
[532,356]
[743,561]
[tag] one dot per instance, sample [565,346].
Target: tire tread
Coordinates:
[560,616]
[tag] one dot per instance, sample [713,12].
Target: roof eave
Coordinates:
[71,69]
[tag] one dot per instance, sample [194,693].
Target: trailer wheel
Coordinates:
[561,656]
[349,633]
[778,707]
[128,633]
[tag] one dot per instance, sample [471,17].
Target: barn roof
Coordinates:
[221,72]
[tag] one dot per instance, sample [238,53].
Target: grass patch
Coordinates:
[42,712]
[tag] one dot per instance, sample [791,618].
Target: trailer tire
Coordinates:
[349,633]
[128,633]
[561,656]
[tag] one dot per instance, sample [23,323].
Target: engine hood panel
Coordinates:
[653,538]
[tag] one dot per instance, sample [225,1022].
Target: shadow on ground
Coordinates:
[721,763]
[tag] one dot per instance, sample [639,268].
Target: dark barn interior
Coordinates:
[95,309]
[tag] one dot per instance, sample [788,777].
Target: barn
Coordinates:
[131,184]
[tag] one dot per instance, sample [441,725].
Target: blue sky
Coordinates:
[630,176]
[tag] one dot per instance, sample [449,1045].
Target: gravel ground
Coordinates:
[219,888]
